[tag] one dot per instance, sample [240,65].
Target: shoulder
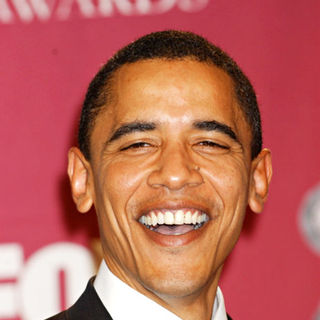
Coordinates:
[88,306]
[59,316]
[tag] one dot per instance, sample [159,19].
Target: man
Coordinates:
[170,156]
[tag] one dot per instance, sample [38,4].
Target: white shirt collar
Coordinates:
[123,302]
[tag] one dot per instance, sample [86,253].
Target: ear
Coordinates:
[261,173]
[79,171]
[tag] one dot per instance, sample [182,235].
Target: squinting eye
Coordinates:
[212,144]
[136,145]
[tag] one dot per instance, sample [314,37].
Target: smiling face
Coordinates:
[170,177]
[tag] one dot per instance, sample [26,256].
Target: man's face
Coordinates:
[170,175]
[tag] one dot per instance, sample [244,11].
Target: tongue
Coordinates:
[174,230]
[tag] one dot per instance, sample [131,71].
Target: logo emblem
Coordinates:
[309,220]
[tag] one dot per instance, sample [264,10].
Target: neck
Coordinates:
[187,304]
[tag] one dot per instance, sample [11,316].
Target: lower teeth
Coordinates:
[198,225]
[195,226]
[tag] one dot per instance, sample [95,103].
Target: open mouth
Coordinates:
[174,222]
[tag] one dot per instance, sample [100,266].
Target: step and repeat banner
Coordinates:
[50,50]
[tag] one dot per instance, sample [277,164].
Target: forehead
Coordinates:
[177,82]
[174,91]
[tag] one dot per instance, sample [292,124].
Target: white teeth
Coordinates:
[160,218]
[154,218]
[143,220]
[194,218]
[187,218]
[179,217]
[170,217]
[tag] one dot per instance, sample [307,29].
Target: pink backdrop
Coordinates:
[49,51]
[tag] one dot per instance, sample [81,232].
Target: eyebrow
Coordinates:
[216,126]
[131,127]
[141,126]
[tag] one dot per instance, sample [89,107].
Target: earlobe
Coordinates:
[79,174]
[261,173]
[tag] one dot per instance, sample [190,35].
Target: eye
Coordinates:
[136,145]
[208,143]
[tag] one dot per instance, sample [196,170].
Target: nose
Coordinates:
[175,170]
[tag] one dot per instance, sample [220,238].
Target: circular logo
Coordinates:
[317,315]
[309,221]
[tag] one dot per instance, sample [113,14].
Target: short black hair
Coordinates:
[168,45]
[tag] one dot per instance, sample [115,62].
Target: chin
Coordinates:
[175,284]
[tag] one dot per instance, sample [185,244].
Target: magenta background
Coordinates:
[45,68]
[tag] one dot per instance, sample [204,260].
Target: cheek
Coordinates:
[118,182]
[230,173]
[230,183]
[229,179]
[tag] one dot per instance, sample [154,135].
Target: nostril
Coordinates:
[176,179]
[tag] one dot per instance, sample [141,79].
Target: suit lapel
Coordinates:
[88,306]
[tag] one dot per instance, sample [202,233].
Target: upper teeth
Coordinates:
[171,217]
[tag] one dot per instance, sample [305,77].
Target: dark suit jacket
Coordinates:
[88,307]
